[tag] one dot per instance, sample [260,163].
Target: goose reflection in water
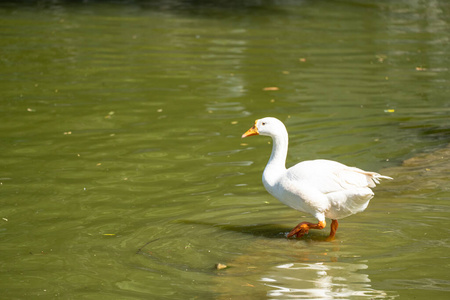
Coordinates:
[321,280]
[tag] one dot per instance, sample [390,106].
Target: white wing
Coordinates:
[330,187]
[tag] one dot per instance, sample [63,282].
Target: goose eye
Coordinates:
[263,123]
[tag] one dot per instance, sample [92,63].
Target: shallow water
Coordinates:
[124,175]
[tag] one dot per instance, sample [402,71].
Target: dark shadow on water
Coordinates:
[207,8]
[271,231]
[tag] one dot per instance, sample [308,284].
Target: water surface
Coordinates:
[124,175]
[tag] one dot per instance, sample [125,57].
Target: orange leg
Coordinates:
[303,228]
[334,227]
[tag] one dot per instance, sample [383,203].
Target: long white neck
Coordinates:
[277,162]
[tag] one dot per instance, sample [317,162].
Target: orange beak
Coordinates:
[251,131]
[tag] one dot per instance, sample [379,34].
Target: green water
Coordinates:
[123,174]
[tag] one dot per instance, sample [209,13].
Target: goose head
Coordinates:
[266,126]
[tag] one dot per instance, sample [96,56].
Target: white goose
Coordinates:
[322,188]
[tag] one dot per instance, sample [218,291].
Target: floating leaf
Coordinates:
[271,88]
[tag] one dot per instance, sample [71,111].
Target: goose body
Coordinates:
[322,188]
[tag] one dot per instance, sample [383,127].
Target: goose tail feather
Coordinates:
[377,177]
